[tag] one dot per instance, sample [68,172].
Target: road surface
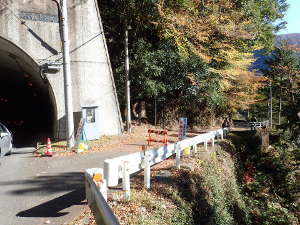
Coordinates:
[35,190]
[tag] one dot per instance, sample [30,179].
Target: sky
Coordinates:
[292,17]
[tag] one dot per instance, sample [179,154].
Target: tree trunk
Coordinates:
[280,108]
[139,110]
[142,111]
[271,106]
[213,122]
[155,112]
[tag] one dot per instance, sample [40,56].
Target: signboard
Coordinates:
[92,125]
[182,128]
[39,17]
[79,133]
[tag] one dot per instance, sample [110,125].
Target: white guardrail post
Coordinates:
[194,148]
[113,168]
[217,136]
[177,148]
[96,195]
[147,172]
[123,166]
[126,180]
[111,172]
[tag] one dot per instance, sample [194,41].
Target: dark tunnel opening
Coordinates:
[26,107]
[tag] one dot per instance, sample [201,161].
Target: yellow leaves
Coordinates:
[192,78]
[239,84]
[219,37]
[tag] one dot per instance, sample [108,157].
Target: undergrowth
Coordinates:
[213,192]
[268,178]
[148,208]
[238,184]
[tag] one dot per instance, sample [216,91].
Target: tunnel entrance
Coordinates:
[27,105]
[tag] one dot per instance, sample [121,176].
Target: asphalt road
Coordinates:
[34,190]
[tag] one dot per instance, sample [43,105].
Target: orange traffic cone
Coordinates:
[49,151]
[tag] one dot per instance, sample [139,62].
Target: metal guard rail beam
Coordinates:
[251,124]
[113,171]
[113,167]
[102,211]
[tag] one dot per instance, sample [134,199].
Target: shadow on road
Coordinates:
[47,184]
[72,183]
[23,150]
[53,207]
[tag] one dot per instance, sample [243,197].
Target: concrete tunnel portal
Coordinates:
[27,103]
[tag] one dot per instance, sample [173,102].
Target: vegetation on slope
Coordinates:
[236,184]
[268,178]
[293,39]
[207,194]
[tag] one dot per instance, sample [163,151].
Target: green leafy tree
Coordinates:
[198,51]
[284,73]
[161,72]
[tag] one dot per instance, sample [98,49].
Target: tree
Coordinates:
[224,34]
[284,73]
[194,50]
[161,72]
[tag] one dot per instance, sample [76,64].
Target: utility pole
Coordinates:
[271,116]
[127,82]
[280,108]
[155,109]
[67,74]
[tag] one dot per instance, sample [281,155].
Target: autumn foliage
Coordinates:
[210,43]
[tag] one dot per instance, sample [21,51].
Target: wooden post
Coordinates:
[205,145]
[126,181]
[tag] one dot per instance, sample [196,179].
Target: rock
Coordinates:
[186,165]
[143,209]
[163,175]
[296,137]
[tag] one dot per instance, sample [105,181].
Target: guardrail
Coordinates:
[251,124]
[259,124]
[120,168]
[113,168]
[96,197]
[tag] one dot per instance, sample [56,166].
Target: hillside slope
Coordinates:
[293,39]
[260,55]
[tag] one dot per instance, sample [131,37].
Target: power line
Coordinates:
[23,22]
[74,49]
[15,15]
